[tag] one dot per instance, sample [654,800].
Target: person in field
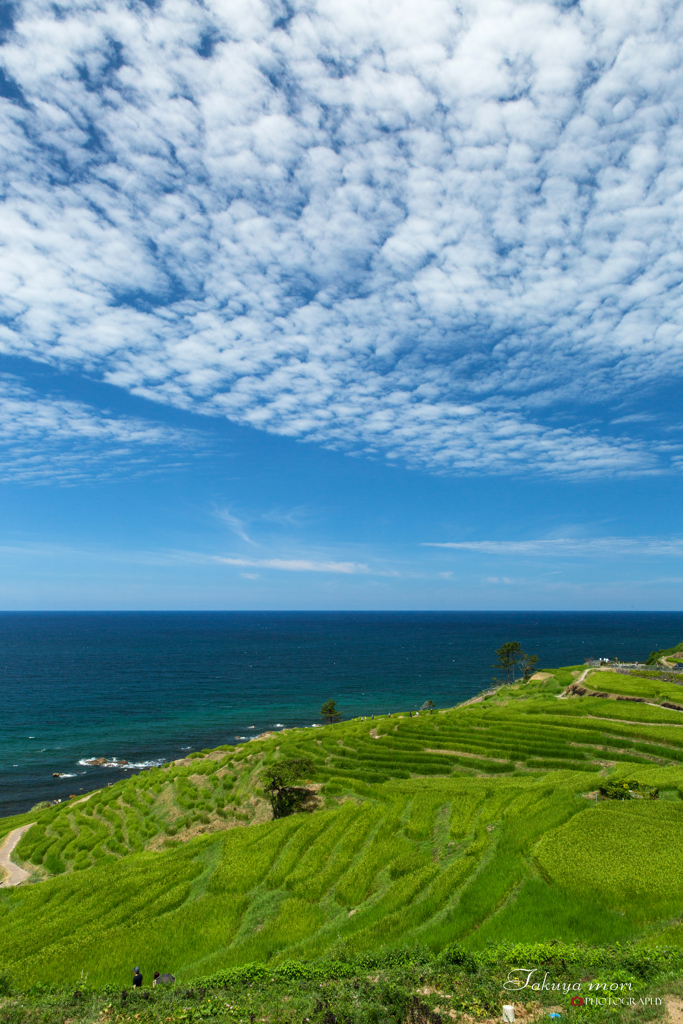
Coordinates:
[137,978]
[162,979]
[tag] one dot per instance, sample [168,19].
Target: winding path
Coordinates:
[17,875]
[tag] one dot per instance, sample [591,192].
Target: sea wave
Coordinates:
[119,762]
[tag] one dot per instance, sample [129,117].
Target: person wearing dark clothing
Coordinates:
[137,978]
[162,979]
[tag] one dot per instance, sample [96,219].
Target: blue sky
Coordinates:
[324,305]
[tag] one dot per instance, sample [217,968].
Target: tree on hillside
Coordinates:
[279,779]
[329,712]
[528,663]
[511,655]
[508,655]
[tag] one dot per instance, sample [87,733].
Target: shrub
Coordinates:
[54,864]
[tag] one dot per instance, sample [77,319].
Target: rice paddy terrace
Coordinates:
[479,823]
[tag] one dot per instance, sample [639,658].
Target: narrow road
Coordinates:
[82,799]
[16,874]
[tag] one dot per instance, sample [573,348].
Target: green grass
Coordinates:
[627,858]
[15,821]
[656,655]
[635,686]
[391,988]
[469,826]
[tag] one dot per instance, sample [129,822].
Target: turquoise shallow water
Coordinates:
[148,687]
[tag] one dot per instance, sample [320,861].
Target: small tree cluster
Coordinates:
[625,790]
[279,779]
[510,656]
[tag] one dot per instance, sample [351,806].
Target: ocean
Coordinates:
[150,687]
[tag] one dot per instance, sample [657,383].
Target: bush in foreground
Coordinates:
[409,986]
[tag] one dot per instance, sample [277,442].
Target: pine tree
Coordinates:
[329,712]
[508,655]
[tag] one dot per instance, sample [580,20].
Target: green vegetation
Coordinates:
[479,824]
[329,712]
[15,821]
[391,988]
[647,687]
[668,652]
[627,790]
[510,656]
[279,779]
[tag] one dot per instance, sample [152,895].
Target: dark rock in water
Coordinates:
[99,762]
[58,775]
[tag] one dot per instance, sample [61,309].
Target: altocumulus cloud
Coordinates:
[399,228]
[46,438]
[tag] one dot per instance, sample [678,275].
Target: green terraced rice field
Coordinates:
[472,825]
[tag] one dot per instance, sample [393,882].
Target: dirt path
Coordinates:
[82,799]
[570,692]
[669,664]
[16,874]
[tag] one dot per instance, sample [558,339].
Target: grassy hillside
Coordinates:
[666,652]
[475,824]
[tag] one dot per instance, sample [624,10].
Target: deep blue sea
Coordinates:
[149,687]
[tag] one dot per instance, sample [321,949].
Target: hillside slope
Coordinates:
[472,824]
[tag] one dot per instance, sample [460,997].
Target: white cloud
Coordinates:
[236,524]
[297,516]
[568,547]
[43,438]
[636,417]
[410,230]
[295,564]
